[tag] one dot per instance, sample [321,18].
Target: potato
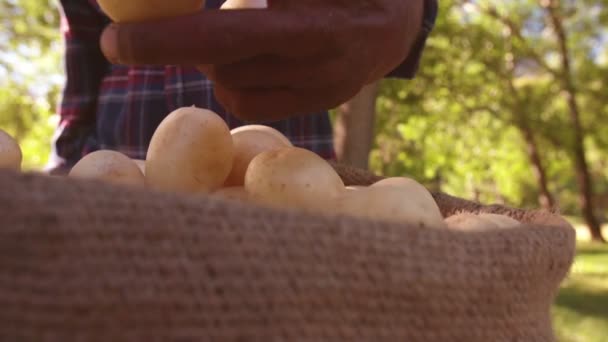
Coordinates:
[108,166]
[355,187]
[481,221]
[233,193]
[249,141]
[293,177]
[11,156]
[396,204]
[501,221]
[141,164]
[470,222]
[240,4]
[427,212]
[264,129]
[413,187]
[191,151]
[130,11]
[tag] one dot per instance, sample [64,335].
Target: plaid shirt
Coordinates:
[115,107]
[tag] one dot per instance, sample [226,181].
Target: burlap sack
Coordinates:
[83,261]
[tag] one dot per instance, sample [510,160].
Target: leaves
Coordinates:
[30,75]
[486,75]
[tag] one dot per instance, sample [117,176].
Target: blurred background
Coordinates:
[510,106]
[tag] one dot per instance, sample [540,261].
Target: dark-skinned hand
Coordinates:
[293,58]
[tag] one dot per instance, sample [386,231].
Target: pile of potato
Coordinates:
[194,152]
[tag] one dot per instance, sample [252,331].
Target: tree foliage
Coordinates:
[490,70]
[30,74]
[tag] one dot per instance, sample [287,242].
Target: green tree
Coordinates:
[30,74]
[502,106]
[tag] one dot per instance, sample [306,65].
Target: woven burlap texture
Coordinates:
[85,261]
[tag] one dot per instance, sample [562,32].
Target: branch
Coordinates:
[515,31]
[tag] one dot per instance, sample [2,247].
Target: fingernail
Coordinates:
[109,43]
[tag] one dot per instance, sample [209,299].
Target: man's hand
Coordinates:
[293,58]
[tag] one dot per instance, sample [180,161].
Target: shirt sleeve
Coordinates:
[85,66]
[410,66]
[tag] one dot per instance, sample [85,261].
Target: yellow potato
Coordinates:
[249,141]
[501,221]
[470,222]
[293,177]
[480,222]
[234,193]
[355,187]
[413,187]
[390,204]
[264,129]
[125,11]
[108,166]
[141,164]
[429,213]
[11,156]
[241,4]
[191,152]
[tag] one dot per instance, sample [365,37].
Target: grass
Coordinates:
[580,312]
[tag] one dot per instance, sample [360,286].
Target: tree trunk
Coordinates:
[354,127]
[545,199]
[521,121]
[583,176]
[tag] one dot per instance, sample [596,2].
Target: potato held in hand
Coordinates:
[242,4]
[130,11]
[11,156]
[108,166]
[399,200]
[249,141]
[191,152]
[292,177]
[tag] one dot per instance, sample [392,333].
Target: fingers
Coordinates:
[275,72]
[280,103]
[214,37]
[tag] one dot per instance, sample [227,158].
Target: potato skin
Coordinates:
[480,222]
[241,4]
[502,221]
[108,166]
[469,222]
[190,152]
[141,164]
[133,11]
[390,204]
[11,155]
[265,129]
[293,177]
[249,141]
